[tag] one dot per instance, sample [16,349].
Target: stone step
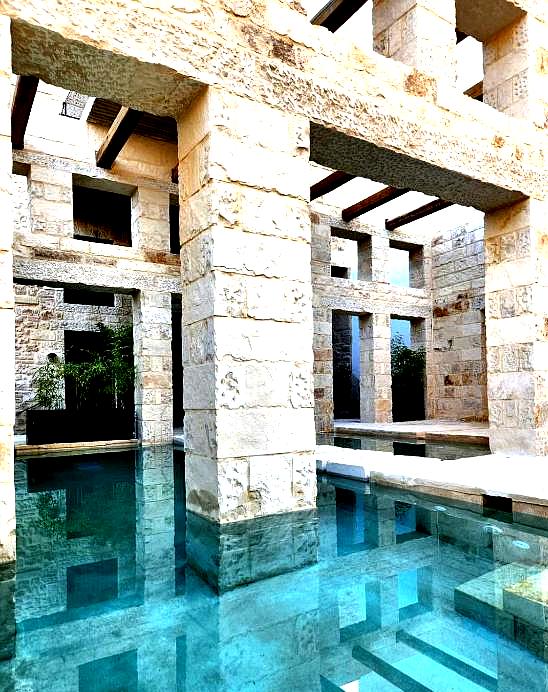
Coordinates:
[413,671]
[512,601]
[447,657]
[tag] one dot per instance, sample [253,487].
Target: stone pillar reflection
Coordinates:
[154,502]
[247,310]
[7,320]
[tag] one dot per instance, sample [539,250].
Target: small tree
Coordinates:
[408,368]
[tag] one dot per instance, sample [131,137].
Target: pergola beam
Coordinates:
[330,183]
[381,197]
[117,136]
[476,91]
[416,214]
[25,91]
[336,12]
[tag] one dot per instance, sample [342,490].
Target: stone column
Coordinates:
[375,377]
[153,363]
[515,75]
[516,237]
[420,33]
[51,209]
[323,331]
[247,312]
[150,219]
[7,320]
[379,258]
[516,312]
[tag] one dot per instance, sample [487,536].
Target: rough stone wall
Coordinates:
[41,318]
[459,376]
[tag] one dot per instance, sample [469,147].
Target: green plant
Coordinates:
[100,377]
[407,362]
[48,383]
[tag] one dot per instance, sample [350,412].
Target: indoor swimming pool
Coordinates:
[376,590]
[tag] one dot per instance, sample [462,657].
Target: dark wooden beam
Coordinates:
[175,173]
[372,202]
[416,214]
[25,91]
[336,12]
[332,182]
[476,91]
[118,134]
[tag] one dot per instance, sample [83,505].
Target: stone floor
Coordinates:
[456,431]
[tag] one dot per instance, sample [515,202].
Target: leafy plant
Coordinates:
[48,383]
[101,377]
[407,362]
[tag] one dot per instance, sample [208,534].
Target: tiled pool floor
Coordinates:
[406,595]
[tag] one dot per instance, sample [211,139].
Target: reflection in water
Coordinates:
[406,592]
[402,447]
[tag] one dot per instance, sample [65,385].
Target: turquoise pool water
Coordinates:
[417,448]
[407,594]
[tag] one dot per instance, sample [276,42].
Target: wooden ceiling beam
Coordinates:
[476,91]
[381,197]
[25,91]
[416,214]
[117,136]
[330,183]
[336,12]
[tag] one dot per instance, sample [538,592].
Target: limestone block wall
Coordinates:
[41,318]
[369,296]
[459,370]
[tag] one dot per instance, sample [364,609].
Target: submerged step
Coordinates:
[448,659]
[413,671]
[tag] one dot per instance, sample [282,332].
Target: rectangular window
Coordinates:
[101,216]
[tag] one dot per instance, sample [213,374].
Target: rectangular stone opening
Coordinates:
[408,368]
[177,359]
[497,507]
[346,365]
[350,254]
[100,215]
[174,237]
[79,296]
[406,263]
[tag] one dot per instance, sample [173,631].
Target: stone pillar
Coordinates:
[7,320]
[379,258]
[420,33]
[375,378]
[153,363]
[150,219]
[516,237]
[515,74]
[323,331]
[421,338]
[247,312]
[51,209]
[516,312]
